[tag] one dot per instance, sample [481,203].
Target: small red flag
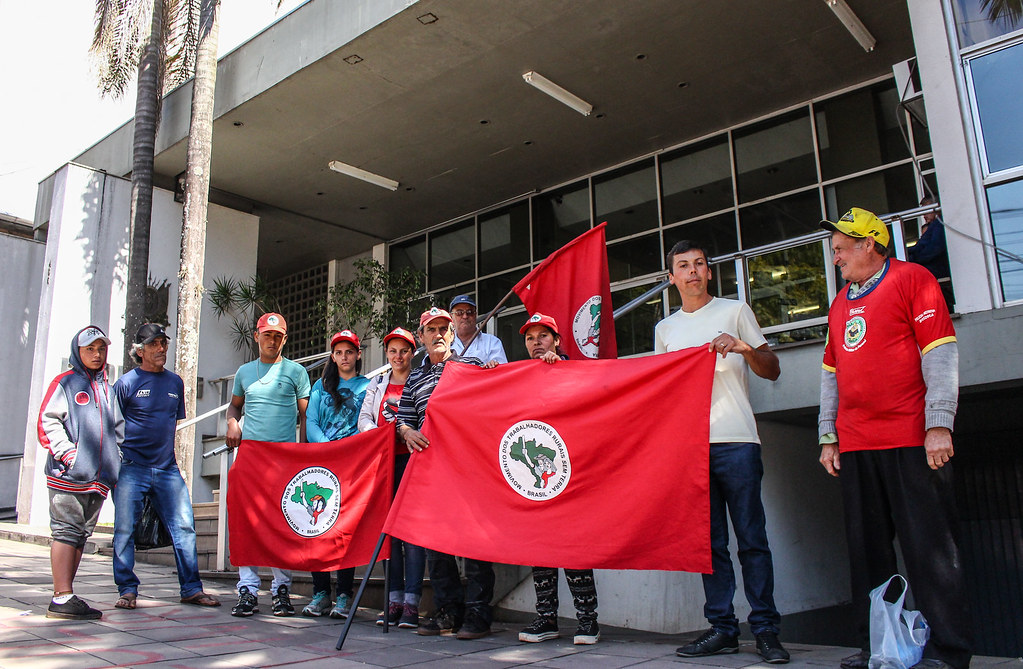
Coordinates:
[311,507]
[580,464]
[572,285]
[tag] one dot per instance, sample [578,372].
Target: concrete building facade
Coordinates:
[740,124]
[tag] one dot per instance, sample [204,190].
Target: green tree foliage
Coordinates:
[375,301]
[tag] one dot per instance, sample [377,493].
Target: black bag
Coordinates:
[149,531]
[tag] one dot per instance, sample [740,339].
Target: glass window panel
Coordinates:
[921,137]
[635,257]
[442,298]
[627,199]
[696,180]
[508,332]
[559,217]
[812,333]
[452,255]
[981,20]
[997,81]
[775,156]
[635,330]
[780,219]
[493,289]
[788,286]
[859,130]
[411,253]
[504,238]
[723,283]
[1005,202]
[884,192]
[717,234]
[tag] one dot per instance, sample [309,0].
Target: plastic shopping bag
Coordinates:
[149,531]
[897,636]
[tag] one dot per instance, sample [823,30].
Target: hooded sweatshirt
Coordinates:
[80,425]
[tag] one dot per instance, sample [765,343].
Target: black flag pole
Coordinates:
[362,589]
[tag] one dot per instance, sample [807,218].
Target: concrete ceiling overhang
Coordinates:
[434,98]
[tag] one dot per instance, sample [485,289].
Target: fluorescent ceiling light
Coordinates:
[544,84]
[852,23]
[369,177]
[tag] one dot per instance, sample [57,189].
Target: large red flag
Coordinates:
[580,464]
[572,285]
[313,507]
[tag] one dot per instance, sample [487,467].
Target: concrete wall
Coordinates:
[22,260]
[83,281]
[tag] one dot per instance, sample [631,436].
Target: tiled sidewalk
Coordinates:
[164,633]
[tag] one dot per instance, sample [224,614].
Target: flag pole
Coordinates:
[358,595]
[387,595]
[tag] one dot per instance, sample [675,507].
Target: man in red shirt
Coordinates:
[889,393]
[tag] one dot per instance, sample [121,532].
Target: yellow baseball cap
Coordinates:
[860,223]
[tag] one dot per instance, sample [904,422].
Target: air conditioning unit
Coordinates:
[911,95]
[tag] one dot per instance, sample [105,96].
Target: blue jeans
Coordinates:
[408,562]
[172,504]
[735,474]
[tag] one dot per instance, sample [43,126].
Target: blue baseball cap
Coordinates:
[462,299]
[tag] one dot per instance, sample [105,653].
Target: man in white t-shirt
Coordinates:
[729,328]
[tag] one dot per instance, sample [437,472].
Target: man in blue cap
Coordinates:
[486,347]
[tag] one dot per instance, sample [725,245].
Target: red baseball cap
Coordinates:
[272,322]
[432,313]
[345,335]
[400,333]
[540,319]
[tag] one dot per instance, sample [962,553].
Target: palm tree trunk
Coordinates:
[193,233]
[147,118]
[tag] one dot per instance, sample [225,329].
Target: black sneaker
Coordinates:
[475,627]
[860,660]
[393,613]
[541,629]
[711,642]
[769,648]
[247,603]
[409,617]
[587,634]
[72,609]
[442,623]
[281,603]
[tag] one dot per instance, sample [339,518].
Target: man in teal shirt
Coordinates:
[274,392]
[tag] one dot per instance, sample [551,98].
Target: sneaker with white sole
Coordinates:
[247,603]
[72,609]
[282,602]
[587,634]
[541,629]
[318,606]
[341,606]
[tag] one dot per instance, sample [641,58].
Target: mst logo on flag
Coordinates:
[586,327]
[314,507]
[583,464]
[312,501]
[534,460]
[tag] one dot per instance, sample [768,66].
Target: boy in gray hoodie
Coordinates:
[80,425]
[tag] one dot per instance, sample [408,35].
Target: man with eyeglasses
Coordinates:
[486,347]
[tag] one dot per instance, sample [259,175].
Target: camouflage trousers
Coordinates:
[580,584]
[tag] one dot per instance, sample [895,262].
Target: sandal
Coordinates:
[201,599]
[126,601]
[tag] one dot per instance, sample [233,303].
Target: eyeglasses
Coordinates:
[463,312]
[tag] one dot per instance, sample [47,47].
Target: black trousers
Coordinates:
[448,593]
[893,492]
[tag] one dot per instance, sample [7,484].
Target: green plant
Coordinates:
[242,302]
[375,301]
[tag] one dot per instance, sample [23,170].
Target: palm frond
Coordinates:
[1010,11]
